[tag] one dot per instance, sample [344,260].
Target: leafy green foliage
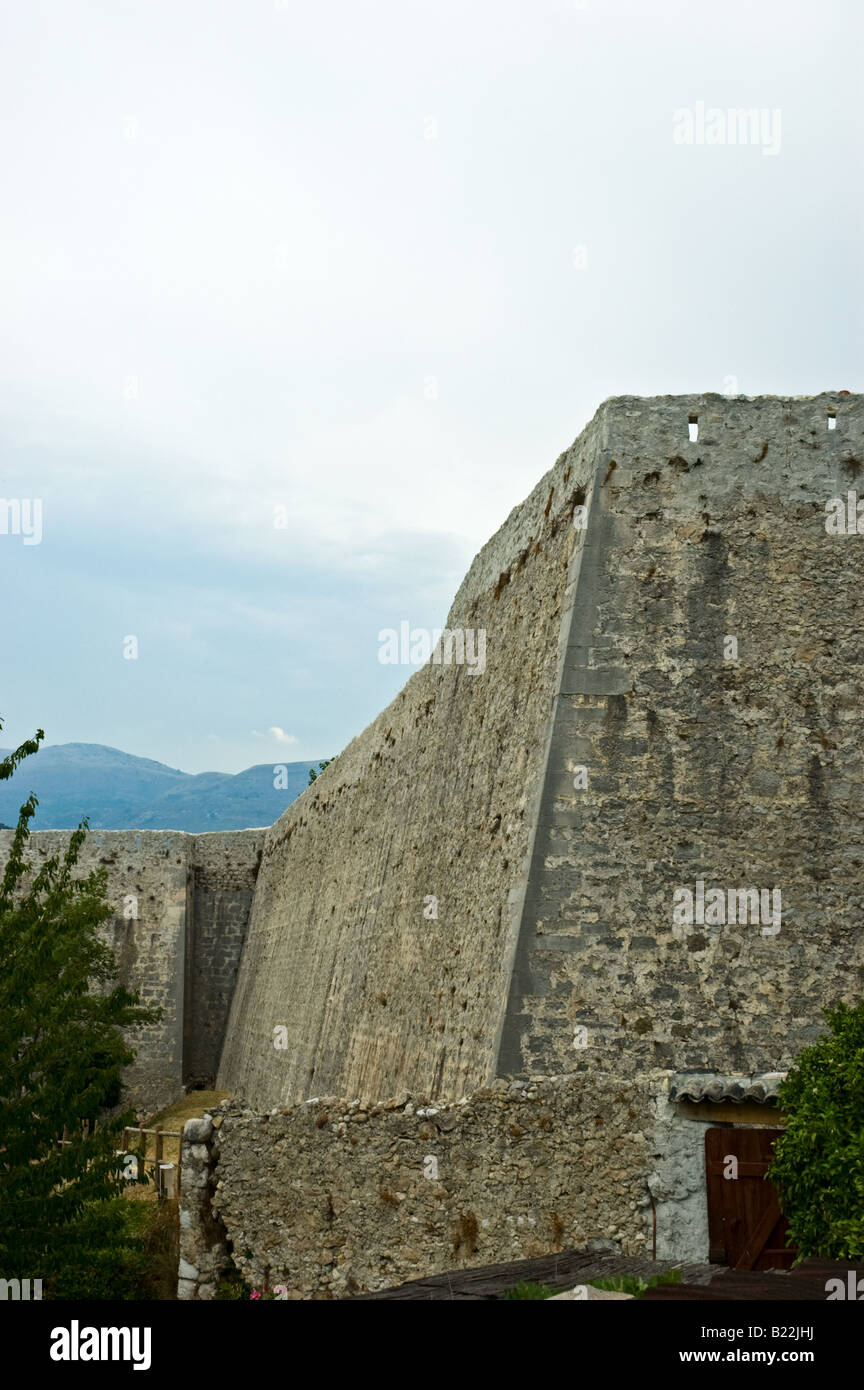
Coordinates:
[102,1254]
[818,1166]
[231,1288]
[62,1052]
[123,1251]
[321,766]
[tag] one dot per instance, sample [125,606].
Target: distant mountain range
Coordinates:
[121,792]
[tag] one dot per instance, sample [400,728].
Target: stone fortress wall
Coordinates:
[428,811]
[672,706]
[491,881]
[672,695]
[713,690]
[190,896]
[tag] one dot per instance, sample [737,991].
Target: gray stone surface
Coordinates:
[332,1200]
[185,969]
[606,650]
[676,1182]
[735,772]
[553,949]
[435,798]
[197,1131]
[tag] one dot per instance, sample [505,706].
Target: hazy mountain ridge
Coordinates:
[119,791]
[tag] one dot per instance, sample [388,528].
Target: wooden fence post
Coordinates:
[166,1176]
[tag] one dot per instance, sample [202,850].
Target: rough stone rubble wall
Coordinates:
[436,798]
[332,1198]
[160,870]
[741,773]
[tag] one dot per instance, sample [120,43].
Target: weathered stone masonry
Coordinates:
[606,649]
[333,1198]
[190,895]
[221,881]
[672,695]
[734,772]
[697,649]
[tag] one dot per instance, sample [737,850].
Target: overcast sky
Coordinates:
[374,265]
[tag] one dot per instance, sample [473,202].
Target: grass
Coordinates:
[615,1283]
[526,1290]
[630,1283]
[174,1116]
[188,1107]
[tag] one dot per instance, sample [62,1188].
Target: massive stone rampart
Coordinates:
[484,882]
[713,691]
[607,649]
[434,801]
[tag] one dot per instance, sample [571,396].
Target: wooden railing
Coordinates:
[166,1171]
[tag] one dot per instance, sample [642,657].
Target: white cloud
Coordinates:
[281,736]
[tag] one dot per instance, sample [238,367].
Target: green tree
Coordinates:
[818,1167]
[62,1052]
[313,775]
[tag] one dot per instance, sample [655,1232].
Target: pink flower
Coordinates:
[254,1294]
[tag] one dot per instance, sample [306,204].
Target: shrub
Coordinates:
[818,1166]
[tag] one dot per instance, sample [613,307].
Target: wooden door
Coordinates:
[745,1227]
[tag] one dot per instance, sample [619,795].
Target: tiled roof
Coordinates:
[711,1085]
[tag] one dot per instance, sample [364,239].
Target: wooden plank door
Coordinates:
[745,1227]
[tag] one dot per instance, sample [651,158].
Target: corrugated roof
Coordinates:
[716,1086]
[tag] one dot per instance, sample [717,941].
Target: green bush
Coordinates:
[818,1166]
[102,1255]
[231,1287]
